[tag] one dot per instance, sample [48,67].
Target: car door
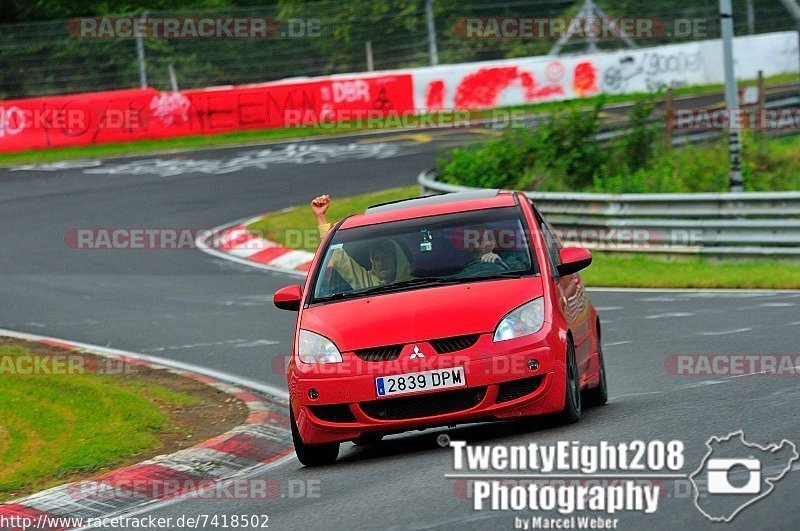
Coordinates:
[573,301]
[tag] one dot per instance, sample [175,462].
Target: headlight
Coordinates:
[315,348]
[524,321]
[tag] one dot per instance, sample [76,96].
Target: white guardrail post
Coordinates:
[743,224]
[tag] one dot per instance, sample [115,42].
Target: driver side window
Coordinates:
[551,241]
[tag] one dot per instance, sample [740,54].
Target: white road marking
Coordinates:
[701,383]
[615,343]
[228,342]
[608,308]
[776,304]
[725,332]
[292,153]
[254,300]
[750,374]
[669,314]
[257,343]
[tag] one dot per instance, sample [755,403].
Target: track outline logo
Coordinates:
[716,473]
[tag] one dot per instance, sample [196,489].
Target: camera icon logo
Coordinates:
[721,474]
[735,474]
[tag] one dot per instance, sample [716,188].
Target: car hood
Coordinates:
[420,314]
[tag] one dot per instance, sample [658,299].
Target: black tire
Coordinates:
[312,454]
[572,390]
[598,396]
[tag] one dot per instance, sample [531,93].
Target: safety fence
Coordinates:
[749,224]
[284,39]
[139,114]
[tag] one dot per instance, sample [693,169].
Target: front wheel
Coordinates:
[312,454]
[572,399]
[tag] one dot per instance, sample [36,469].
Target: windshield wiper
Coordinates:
[498,276]
[397,286]
[413,283]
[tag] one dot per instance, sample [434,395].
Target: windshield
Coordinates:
[434,250]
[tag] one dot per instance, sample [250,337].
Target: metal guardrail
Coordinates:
[754,224]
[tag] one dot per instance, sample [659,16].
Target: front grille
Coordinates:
[453,344]
[421,406]
[518,388]
[388,353]
[333,413]
[441,346]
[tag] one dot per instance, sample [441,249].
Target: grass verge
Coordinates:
[269,135]
[64,416]
[640,271]
[296,227]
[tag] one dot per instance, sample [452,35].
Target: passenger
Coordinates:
[389,263]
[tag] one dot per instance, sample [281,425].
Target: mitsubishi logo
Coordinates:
[417,353]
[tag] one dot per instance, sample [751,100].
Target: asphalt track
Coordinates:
[188,306]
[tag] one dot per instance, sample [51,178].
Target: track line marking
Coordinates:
[725,332]
[669,315]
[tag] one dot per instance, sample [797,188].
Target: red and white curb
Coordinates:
[235,242]
[264,438]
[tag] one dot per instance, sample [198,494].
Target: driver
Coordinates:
[485,253]
[389,262]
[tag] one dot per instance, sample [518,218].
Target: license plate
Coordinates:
[416,382]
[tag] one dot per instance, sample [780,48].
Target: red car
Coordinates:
[438,311]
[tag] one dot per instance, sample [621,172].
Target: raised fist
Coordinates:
[320,205]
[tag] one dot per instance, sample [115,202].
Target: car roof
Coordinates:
[431,206]
[437,199]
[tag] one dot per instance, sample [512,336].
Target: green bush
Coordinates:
[499,163]
[563,155]
[563,146]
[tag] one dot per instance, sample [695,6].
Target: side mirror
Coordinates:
[573,259]
[288,298]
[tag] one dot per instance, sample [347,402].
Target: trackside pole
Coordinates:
[731,98]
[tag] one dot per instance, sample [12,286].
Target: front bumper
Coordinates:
[501,383]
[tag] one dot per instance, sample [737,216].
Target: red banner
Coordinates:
[140,114]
